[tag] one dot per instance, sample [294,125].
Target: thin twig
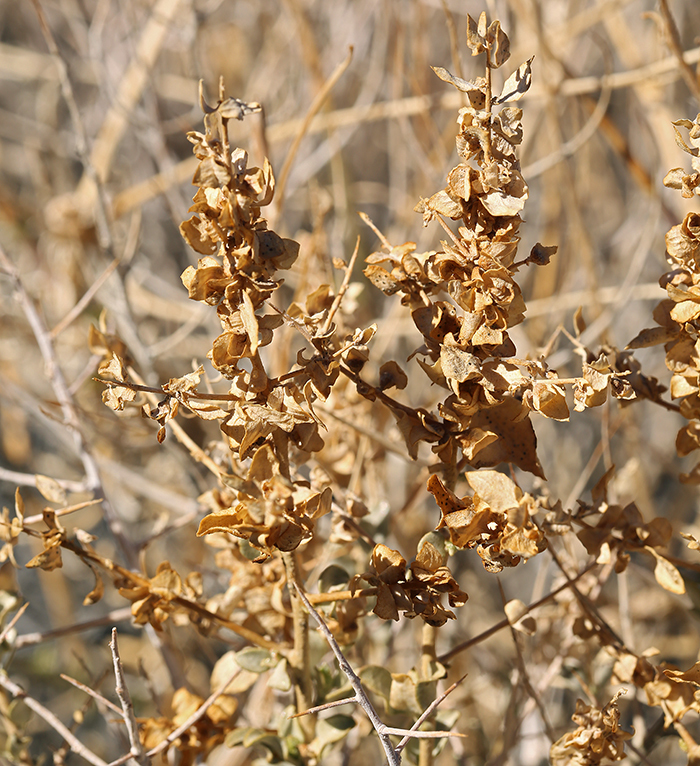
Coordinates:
[429,710]
[385,242]
[527,683]
[315,107]
[30,639]
[298,658]
[339,297]
[122,690]
[673,40]
[340,595]
[325,706]
[80,133]
[94,694]
[39,517]
[85,300]
[11,624]
[588,605]
[21,479]
[73,742]
[68,409]
[180,434]
[138,194]
[447,656]
[201,710]
[392,757]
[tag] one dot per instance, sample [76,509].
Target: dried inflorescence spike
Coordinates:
[464,299]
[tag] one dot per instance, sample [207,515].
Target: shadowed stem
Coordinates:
[298,657]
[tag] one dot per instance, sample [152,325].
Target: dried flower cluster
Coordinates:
[598,738]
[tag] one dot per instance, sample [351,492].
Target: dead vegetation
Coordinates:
[435,404]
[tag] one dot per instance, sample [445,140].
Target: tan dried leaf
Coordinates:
[517,85]
[392,376]
[496,489]
[476,34]
[693,542]
[498,43]
[466,86]
[519,618]
[50,489]
[515,441]
[666,574]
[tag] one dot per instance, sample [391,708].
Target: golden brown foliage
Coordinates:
[326,419]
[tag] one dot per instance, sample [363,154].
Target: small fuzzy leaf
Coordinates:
[279,678]
[377,679]
[255,659]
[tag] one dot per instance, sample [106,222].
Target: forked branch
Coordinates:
[393,755]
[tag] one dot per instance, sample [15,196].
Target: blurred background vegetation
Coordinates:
[598,141]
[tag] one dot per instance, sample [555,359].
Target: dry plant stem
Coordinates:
[180,434]
[385,242]
[82,141]
[95,695]
[140,193]
[325,706]
[379,394]
[11,624]
[131,84]
[201,710]
[454,45]
[570,147]
[529,688]
[73,742]
[393,757]
[430,709]
[314,109]
[685,735]
[298,658]
[135,578]
[29,480]
[588,605]
[340,595]
[132,727]
[428,654]
[58,382]
[38,518]
[30,639]
[343,288]
[85,300]
[447,656]
[674,43]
